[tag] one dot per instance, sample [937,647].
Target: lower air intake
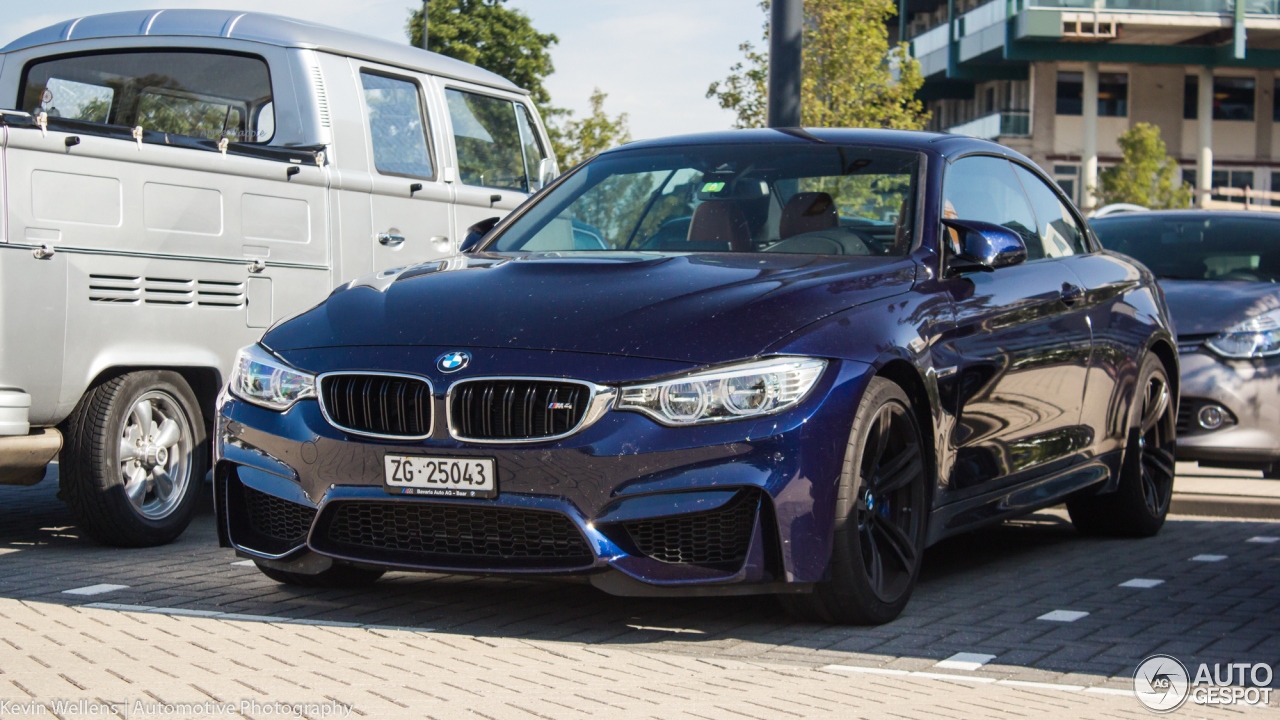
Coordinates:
[718,537]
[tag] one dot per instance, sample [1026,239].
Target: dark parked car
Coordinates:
[804,357]
[1219,271]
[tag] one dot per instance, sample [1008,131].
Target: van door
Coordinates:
[497,150]
[409,201]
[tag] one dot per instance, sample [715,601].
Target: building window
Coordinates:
[1232,98]
[1223,178]
[1113,94]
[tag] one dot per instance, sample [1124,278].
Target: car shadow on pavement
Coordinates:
[984,592]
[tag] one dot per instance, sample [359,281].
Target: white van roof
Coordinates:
[258,27]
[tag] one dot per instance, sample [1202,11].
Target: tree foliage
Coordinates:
[851,76]
[1145,174]
[492,36]
[577,140]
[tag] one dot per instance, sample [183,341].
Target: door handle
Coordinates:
[390,239]
[1071,293]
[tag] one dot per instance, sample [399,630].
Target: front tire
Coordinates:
[881,517]
[1140,504]
[135,458]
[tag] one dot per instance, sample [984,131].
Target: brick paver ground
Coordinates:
[444,647]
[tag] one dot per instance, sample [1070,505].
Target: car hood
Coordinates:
[1203,307]
[701,308]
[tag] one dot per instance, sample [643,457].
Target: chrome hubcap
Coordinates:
[155,455]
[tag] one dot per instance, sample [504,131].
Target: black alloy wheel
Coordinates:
[881,516]
[1141,501]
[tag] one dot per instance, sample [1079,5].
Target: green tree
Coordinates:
[1145,174]
[851,76]
[577,140]
[494,37]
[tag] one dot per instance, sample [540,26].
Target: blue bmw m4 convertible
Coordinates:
[760,361]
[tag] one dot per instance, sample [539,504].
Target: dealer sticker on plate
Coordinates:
[441,477]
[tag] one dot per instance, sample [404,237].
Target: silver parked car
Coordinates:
[1221,275]
[174,182]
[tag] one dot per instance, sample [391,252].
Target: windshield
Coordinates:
[821,199]
[1197,247]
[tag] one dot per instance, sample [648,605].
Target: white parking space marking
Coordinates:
[1063,615]
[1046,686]
[1209,558]
[1109,691]
[244,563]
[6,551]
[240,617]
[965,661]
[1141,583]
[95,589]
[1263,539]
[666,629]
[975,678]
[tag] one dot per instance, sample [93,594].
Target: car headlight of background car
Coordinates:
[1259,336]
[260,378]
[741,391]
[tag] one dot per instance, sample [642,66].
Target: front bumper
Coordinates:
[1250,390]
[639,508]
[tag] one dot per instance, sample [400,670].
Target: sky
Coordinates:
[654,58]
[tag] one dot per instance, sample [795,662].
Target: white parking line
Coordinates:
[1263,539]
[1209,558]
[666,629]
[6,551]
[243,563]
[975,679]
[1141,583]
[965,661]
[95,589]
[1063,615]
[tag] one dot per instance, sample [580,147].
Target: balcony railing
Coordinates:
[1000,124]
[1263,7]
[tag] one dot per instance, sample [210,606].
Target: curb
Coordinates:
[1235,506]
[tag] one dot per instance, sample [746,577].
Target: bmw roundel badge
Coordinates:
[453,362]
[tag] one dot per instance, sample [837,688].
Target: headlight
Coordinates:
[742,391]
[1259,336]
[264,380]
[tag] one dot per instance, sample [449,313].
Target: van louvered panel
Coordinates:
[220,293]
[121,289]
[169,291]
[322,99]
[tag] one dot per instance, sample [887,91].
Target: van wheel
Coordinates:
[882,514]
[135,458]
[1139,505]
[337,576]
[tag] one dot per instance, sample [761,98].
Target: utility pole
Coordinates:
[786,28]
[425,8]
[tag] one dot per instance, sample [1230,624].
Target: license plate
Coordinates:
[440,477]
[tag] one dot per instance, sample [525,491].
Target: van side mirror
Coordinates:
[476,233]
[546,173]
[983,247]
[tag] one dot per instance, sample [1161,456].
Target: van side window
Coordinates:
[487,134]
[533,151]
[204,95]
[397,126]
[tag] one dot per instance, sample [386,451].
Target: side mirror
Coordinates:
[476,233]
[546,173]
[984,247]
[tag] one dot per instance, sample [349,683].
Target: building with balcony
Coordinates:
[1060,80]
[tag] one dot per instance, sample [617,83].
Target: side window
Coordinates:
[986,189]
[397,126]
[487,135]
[1060,236]
[204,95]
[533,152]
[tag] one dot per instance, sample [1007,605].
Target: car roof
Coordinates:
[1187,214]
[944,144]
[257,27]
